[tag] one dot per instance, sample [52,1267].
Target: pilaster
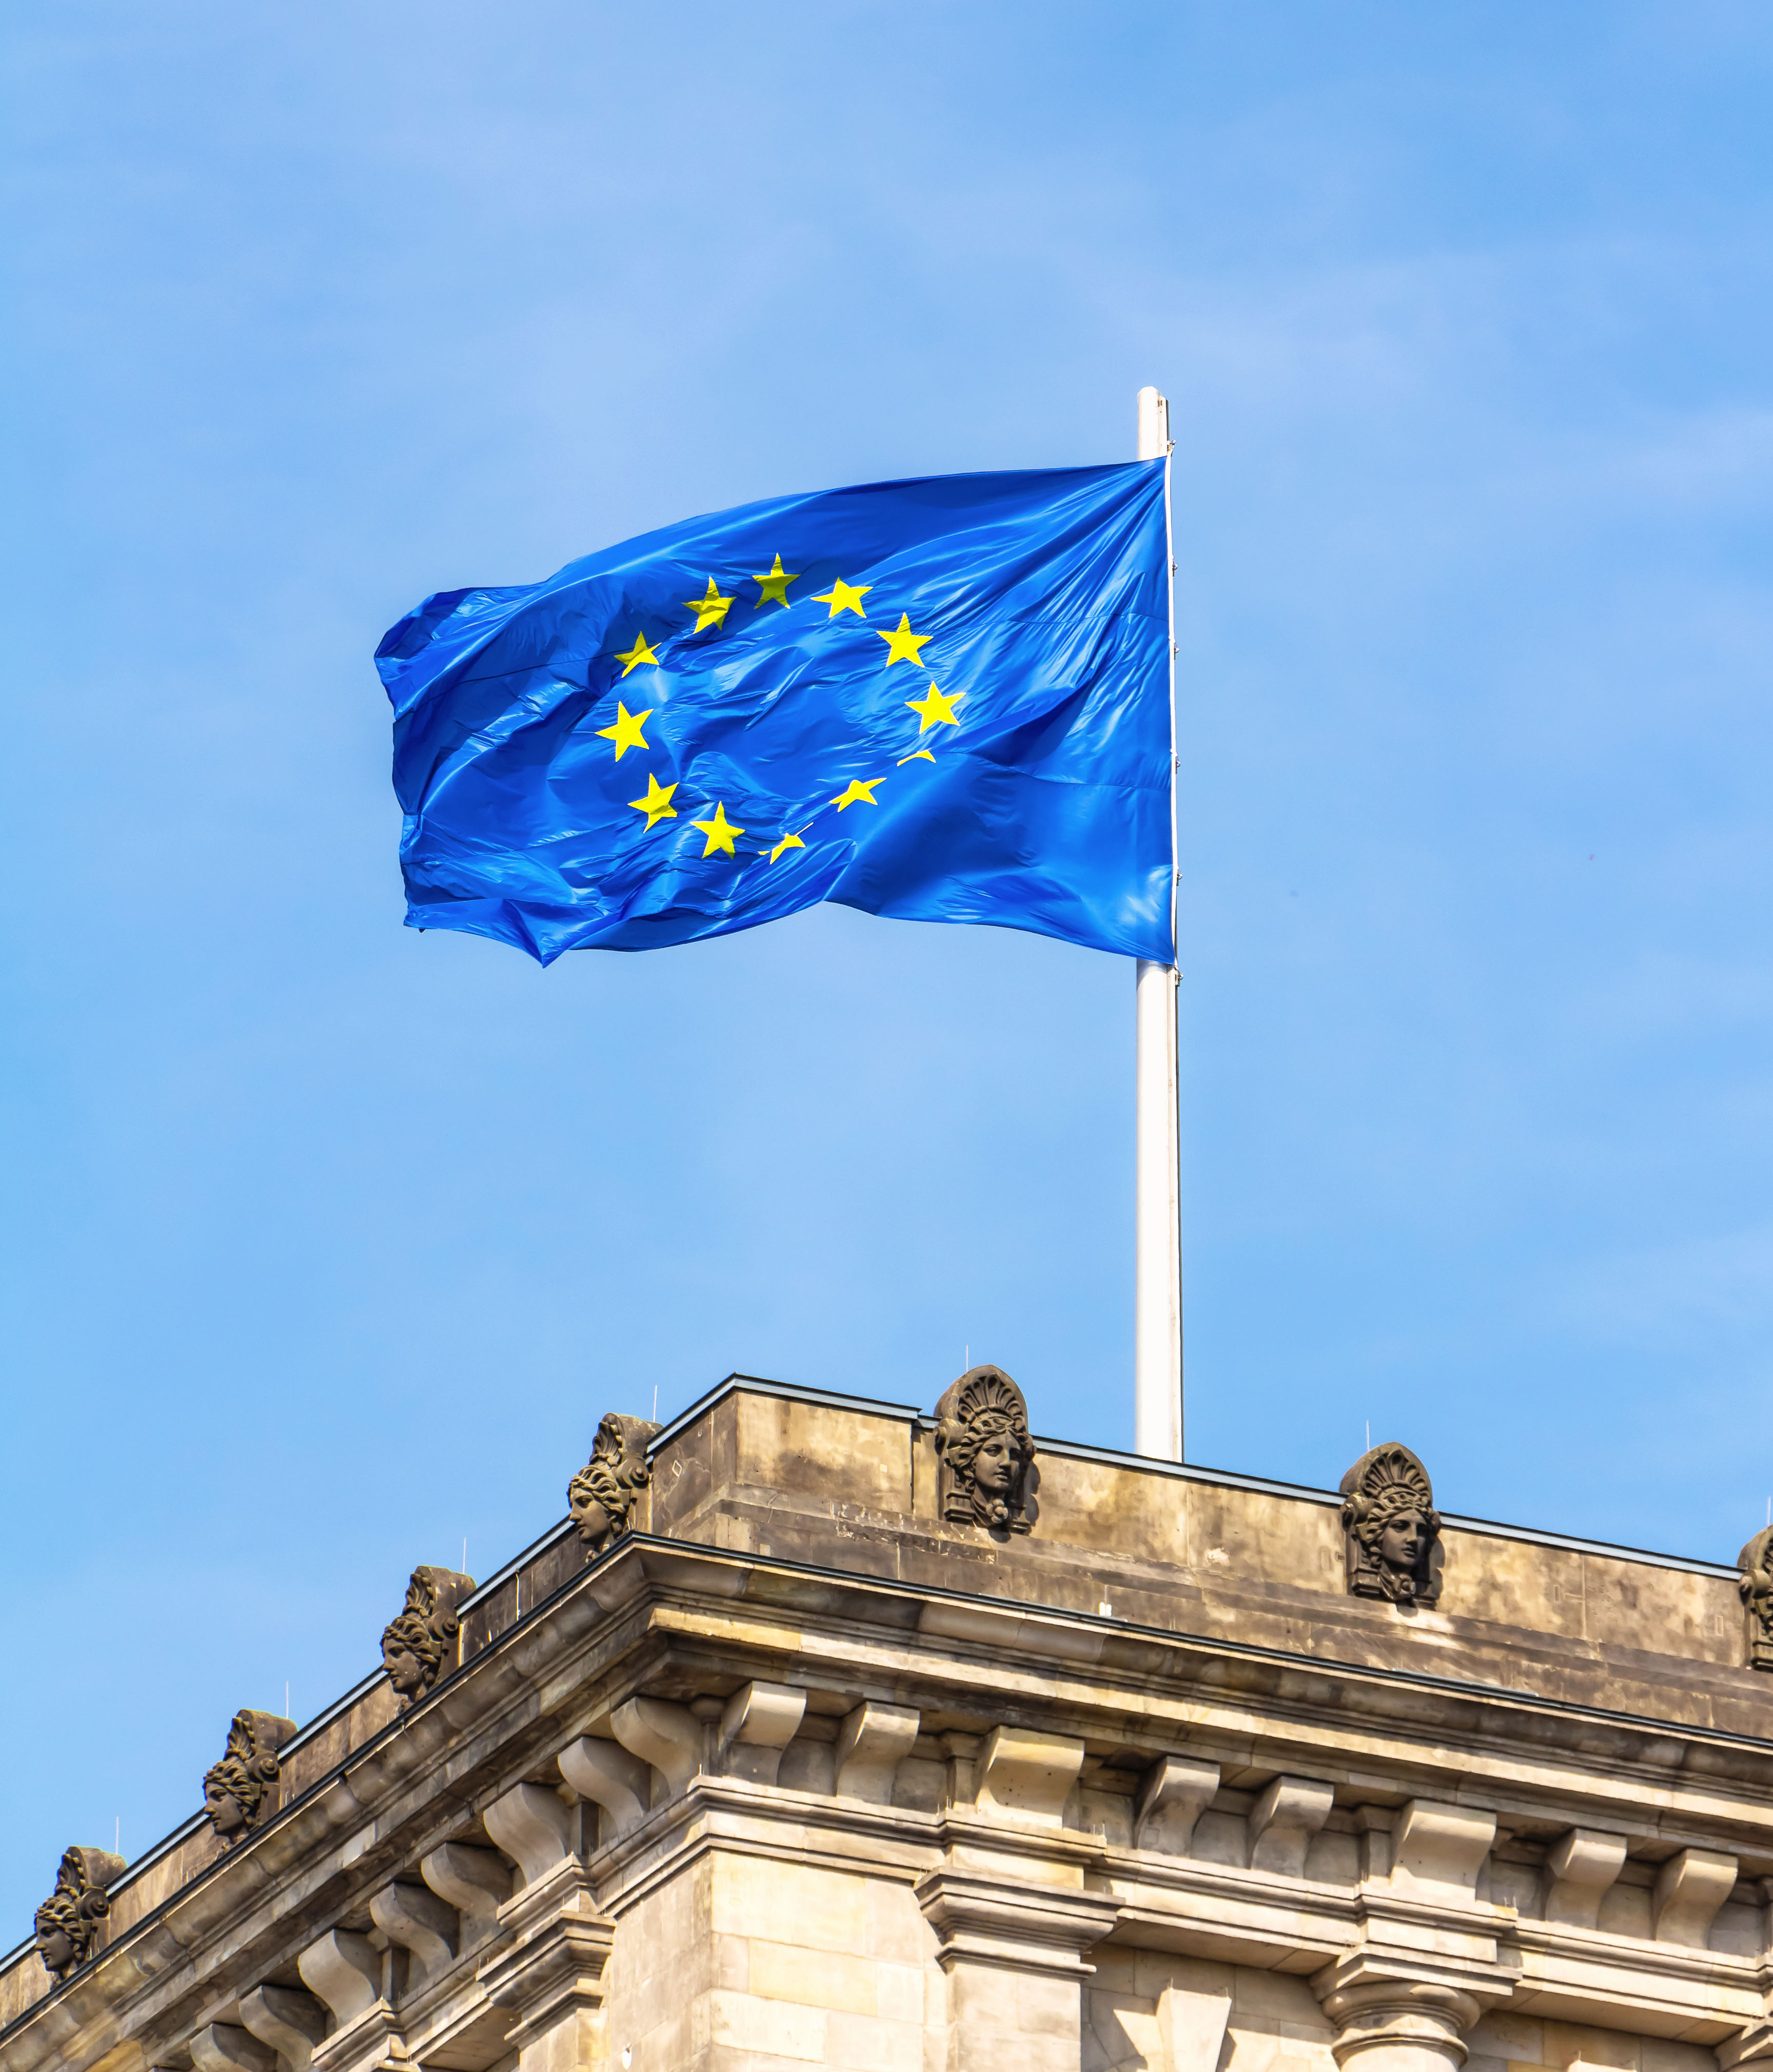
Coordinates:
[1011,1911]
[549,1972]
[1012,1953]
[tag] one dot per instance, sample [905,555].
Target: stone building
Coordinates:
[828,1733]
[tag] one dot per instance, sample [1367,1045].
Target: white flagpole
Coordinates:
[1157,1326]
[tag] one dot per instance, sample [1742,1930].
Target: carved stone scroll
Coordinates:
[67,1922]
[1755,1584]
[422,1643]
[602,1496]
[240,1791]
[1392,1532]
[987,1456]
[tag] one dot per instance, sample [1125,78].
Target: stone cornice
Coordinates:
[667,1614]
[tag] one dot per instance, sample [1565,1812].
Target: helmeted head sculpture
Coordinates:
[602,1496]
[240,1791]
[1391,1531]
[68,1922]
[419,1643]
[986,1455]
[1754,1585]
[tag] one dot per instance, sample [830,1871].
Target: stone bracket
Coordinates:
[1438,1850]
[758,1722]
[1022,1776]
[222,2047]
[1583,1866]
[345,1970]
[533,1826]
[475,1881]
[1283,1820]
[667,1736]
[426,1927]
[872,1742]
[1690,1888]
[1179,1789]
[292,2023]
[619,1783]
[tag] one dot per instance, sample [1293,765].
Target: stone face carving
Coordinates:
[987,1457]
[1756,1586]
[418,1644]
[1390,1528]
[602,1495]
[67,1922]
[240,1791]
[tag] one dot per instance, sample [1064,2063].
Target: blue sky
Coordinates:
[326,1244]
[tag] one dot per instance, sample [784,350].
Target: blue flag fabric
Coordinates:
[943,700]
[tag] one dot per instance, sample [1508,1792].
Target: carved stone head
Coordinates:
[67,1922]
[986,1456]
[1755,1584]
[241,1790]
[418,1644]
[602,1495]
[1392,1532]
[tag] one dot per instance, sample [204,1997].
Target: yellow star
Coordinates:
[858,790]
[775,585]
[935,708]
[719,831]
[787,841]
[917,755]
[902,645]
[626,733]
[844,597]
[656,805]
[634,656]
[709,610]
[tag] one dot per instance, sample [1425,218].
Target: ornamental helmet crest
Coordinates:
[990,1400]
[1382,1484]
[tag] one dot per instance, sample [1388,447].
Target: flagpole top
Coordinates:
[1154,423]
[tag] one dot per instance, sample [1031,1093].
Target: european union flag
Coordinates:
[943,700]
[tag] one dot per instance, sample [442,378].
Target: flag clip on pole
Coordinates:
[1156,1333]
